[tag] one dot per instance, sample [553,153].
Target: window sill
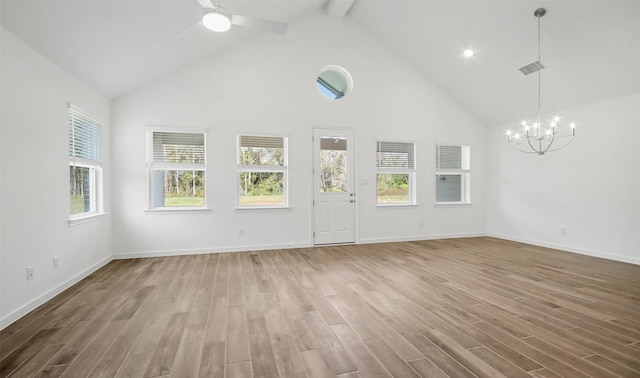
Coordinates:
[380,205]
[178,210]
[453,204]
[85,219]
[262,208]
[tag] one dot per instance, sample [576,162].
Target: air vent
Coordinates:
[531,68]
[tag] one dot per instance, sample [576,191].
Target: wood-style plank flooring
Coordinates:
[477,307]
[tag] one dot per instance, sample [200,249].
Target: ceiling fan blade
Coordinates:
[205,3]
[257,23]
[186,28]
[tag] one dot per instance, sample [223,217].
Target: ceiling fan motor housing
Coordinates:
[217,19]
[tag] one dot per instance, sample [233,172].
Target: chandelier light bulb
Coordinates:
[508,134]
[468,53]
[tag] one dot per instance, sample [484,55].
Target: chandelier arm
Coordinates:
[551,140]
[565,136]
[530,145]
[563,146]
[521,150]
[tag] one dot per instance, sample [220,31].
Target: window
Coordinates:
[85,165]
[452,174]
[262,171]
[334,82]
[395,180]
[177,165]
[334,176]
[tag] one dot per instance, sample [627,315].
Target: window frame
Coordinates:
[249,168]
[157,166]
[464,172]
[410,172]
[95,166]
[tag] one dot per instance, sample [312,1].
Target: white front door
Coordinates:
[333,186]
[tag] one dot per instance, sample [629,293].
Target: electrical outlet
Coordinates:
[55,262]
[241,232]
[563,231]
[29,273]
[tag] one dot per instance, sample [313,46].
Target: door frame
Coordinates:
[353,176]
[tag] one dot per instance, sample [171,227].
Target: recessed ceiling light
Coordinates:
[468,53]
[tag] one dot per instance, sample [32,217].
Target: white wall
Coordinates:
[267,86]
[591,187]
[35,181]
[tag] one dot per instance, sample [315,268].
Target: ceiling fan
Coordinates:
[219,19]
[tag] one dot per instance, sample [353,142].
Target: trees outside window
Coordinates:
[177,165]
[395,179]
[333,165]
[262,171]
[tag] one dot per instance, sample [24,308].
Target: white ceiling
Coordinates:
[590,48]
[116,46]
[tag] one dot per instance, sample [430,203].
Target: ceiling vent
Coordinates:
[531,68]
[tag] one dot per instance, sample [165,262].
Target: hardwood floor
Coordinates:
[477,307]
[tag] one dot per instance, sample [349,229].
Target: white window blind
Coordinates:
[261,141]
[261,150]
[85,136]
[398,155]
[448,157]
[177,147]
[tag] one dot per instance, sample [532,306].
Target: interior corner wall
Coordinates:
[35,181]
[268,86]
[590,188]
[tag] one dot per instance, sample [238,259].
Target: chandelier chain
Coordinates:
[539,75]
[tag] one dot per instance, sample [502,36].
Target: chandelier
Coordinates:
[534,137]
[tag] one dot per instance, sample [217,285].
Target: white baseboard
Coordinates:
[419,237]
[567,248]
[182,252]
[199,251]
[27,308]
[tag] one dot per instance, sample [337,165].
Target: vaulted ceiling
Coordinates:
[590,48]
